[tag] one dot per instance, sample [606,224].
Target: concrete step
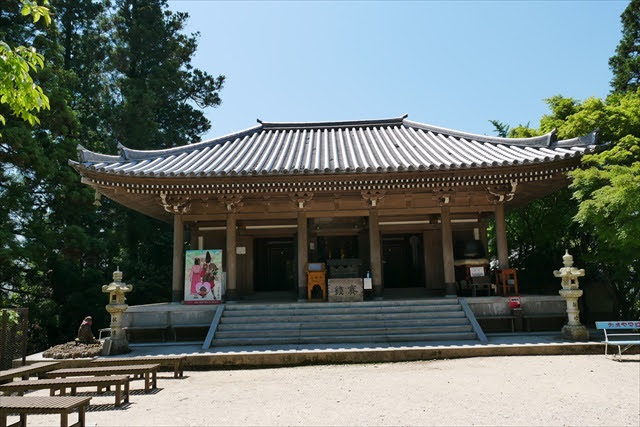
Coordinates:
[346,331]
[286,317]
[381,338]
[323,323]
[342,310]
[313,305]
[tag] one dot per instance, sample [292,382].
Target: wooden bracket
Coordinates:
[175,204]
[232,202]
[444,196]
[301,200]
[502,192]
[373,198]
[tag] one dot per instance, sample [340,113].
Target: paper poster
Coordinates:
[203,277]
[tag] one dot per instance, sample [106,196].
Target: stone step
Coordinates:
[287,317]
[382,338]
[313,305]
[345,331]
[342,310]
[323,323]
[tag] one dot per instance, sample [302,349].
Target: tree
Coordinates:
[56,248]
[17,89]
[625,64]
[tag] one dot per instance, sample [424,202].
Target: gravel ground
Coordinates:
[524,390]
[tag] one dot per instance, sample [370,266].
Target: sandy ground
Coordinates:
[524,390]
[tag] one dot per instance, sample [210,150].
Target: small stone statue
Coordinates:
[85,336]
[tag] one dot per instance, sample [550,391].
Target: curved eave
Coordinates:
[550,161]
[536,141]
[131,154]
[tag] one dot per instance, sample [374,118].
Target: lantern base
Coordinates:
[575,332]
[115,346]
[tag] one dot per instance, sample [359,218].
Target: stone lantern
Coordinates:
[570,291]
[117,343]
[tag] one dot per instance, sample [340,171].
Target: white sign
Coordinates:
[241,250]
[476,271]
[367,283]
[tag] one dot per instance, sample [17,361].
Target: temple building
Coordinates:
[396,200]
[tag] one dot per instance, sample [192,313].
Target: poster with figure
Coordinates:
[203,278]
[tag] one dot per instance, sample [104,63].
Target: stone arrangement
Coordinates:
[117,343]
[570,291]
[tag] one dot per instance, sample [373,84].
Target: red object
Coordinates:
[515,302]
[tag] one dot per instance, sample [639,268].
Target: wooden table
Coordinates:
[121,383]
[149,371]
[62,405]
[25,371]
[176,361]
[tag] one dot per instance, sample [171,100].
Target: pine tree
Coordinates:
[625,64]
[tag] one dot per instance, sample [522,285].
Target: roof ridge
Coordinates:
[334,124]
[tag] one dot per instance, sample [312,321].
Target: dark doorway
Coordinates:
[275,264]
[403,260]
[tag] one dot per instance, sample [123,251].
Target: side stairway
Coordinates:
[333,323]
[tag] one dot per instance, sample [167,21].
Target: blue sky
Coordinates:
[454,64]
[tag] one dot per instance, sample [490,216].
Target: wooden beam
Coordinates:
[447,252]
[177,288]
[231,256]
[303,254]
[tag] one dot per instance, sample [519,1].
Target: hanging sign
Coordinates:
[203,277]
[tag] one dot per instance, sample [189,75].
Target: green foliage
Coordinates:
[56,248]
[17,89]
[598,219]
[625,64]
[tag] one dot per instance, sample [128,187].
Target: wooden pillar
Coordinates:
[231,291]
[177,288]
[427,260]
[303,255]
[501,236]
[375,251]
[447,252]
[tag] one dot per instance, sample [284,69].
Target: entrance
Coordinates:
[275,265]
[403,260]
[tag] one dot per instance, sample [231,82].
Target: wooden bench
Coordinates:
[149,371]
[624,336]
[121,383]
[500,317]
[528,317]
[177,362]
[23,406]
[131,331]
[25,372]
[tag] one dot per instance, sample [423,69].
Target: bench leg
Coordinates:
[23,420]
[118,394]
[3,420]
[126,391]
[175,370]
[64,420]
[155,379]
[81,417]
[147,378]
[74,391]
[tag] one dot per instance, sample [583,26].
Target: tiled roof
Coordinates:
[371,146]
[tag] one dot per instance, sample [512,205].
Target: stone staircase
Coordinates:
[332,323]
